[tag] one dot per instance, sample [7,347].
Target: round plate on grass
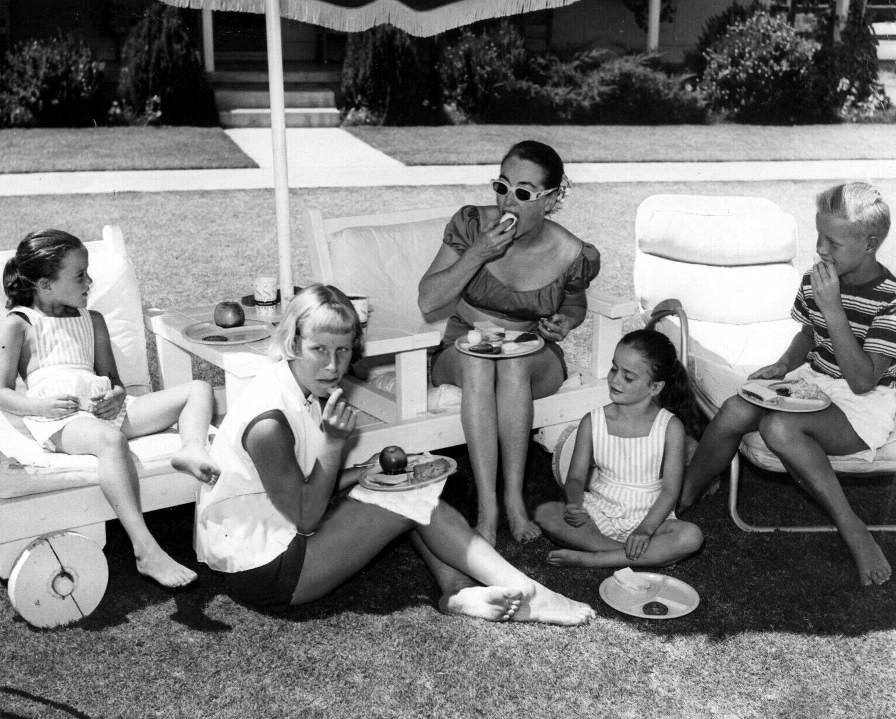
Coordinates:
[678,597]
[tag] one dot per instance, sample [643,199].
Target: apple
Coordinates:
[229,314]
[393,460]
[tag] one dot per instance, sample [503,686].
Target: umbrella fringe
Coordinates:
[421,23]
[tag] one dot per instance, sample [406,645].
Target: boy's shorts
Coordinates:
[872,415]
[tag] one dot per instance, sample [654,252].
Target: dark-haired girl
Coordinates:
[75,402]
[625,515]
[525,273]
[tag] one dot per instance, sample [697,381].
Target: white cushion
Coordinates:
[715,230]
[386,263]
[730,295]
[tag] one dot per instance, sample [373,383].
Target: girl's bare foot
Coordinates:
[871,563]
[195,461]
[157,565]
[575,558]
[495,604]
[543,605]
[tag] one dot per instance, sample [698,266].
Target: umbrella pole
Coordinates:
[278,143]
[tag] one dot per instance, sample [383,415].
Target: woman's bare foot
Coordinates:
[871,563]
[495,604]
[194,460]
[543,605]
[522,528]
[157,565]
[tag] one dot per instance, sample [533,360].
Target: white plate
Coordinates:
[405,481]
[208,333]
[680,597]
[787,404]
[508,349]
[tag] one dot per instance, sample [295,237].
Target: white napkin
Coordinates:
[630,580]
[415,504]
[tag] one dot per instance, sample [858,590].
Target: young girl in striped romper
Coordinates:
[625,515]
[75,402]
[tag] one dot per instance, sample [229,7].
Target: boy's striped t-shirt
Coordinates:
[871,312]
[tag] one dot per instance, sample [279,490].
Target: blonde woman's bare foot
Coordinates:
[543,605]
[523,529]
[871,563]
[157,565]
[195,461]
[495,604]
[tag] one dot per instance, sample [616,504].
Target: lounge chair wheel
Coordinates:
[563,453]
[57,579]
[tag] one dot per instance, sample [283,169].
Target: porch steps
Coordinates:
[243,98]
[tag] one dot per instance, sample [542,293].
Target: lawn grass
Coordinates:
[119,148]
[486,144]
[782,629]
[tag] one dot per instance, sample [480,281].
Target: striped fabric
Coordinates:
[629,479]
[871,312]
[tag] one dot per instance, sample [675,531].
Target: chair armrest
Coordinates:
[608,313]
[609,305]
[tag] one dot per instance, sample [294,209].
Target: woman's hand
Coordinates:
[636,544]
[492,242]
[772,371]
[575,515]
[61,405]
[338,418]
[555,327]
[108,404]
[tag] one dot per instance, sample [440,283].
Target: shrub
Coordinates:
[53,82]
[762,71]
[386,81]
[596,88]
[473,66]
[715,29]
[160,60]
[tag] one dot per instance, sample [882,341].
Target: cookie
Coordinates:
[655,609]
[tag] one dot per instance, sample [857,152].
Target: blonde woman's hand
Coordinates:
[338,418]
[107,405]
[62,405]
[555,327]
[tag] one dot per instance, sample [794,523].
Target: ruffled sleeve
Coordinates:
[581,272]
[462,229]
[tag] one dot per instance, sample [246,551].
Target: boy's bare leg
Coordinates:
[717,447]
[802,442]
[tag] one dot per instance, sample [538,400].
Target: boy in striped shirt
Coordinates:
[847,306]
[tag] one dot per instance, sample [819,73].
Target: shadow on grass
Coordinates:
[62,708]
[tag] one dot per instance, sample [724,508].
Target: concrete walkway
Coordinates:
[335,158]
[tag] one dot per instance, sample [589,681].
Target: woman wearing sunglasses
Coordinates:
[524,273]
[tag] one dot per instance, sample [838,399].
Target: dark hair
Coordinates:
[39,255]
[676,395]
[544,156]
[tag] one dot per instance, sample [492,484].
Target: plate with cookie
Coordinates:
[648,595]
[421,471]
[791,395]
[507,343]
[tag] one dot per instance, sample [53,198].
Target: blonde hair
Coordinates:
[857,202]
[317,308]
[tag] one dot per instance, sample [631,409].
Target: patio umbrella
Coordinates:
[422,18]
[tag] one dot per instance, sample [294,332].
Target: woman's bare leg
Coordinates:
[479,418]
[190,405]
[520,381]
[118,481]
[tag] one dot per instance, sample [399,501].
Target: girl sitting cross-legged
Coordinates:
[637,442]
[75,403]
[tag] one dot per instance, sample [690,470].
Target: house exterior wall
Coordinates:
[607,23]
